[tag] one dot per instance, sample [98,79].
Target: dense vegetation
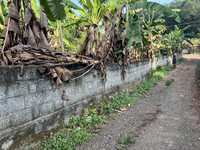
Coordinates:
[189,11]
[140,26]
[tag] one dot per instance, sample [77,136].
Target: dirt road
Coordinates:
[167,117]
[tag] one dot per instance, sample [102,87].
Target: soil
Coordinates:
[167,117]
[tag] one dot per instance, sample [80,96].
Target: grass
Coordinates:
[124,141]
[169,82]
[78,131]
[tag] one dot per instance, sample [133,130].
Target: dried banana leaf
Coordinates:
[53,73]
[43,44]
[13,12]
[58,83]
[27,16]
[64,96]
[63,74]
[14,26]
[31,40]
[36,29]
[43,18]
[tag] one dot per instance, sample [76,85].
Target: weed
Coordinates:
[152,71]
[159,67]
[169,82]
[126,140]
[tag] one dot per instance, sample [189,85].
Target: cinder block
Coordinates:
[12,105]
[3,90]
[32,86]
[34,99]
[47,108]
[4,122]
[36,111]
[21,117]
[18,88]
[58,105]
[43,84]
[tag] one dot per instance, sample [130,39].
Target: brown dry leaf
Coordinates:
[27,56]
[95,72]
[36,29]
[14,26]
[43,18]
[64,96]
[31,40]
[58,83]
[27,16]
[64,74]
[25,34]
[120,62]
[9,56]
[24,56]
[43,44]
[13,12]
[108,14]
[53,73]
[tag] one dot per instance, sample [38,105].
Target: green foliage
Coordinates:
[157,55]
[175,38]
[2,9]
[127,140]
[159,67]
[65,139]
[189,12]
[54,9]
[152,71]
[169,82]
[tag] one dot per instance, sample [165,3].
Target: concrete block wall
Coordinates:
[29,109]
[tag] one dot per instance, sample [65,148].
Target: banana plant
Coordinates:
[141,26]
[54,9]
[92,13]
[176,38]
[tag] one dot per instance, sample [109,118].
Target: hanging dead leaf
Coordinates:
[43,44]
[13,12]
[64,96]
[14,26]
[53,73]
[43,18]
[58,83]
[36,29]
[27,16]
[64,74]
[31,40]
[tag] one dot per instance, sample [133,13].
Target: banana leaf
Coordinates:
[54,9]
[159,8]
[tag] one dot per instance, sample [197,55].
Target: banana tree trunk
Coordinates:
[61,37]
